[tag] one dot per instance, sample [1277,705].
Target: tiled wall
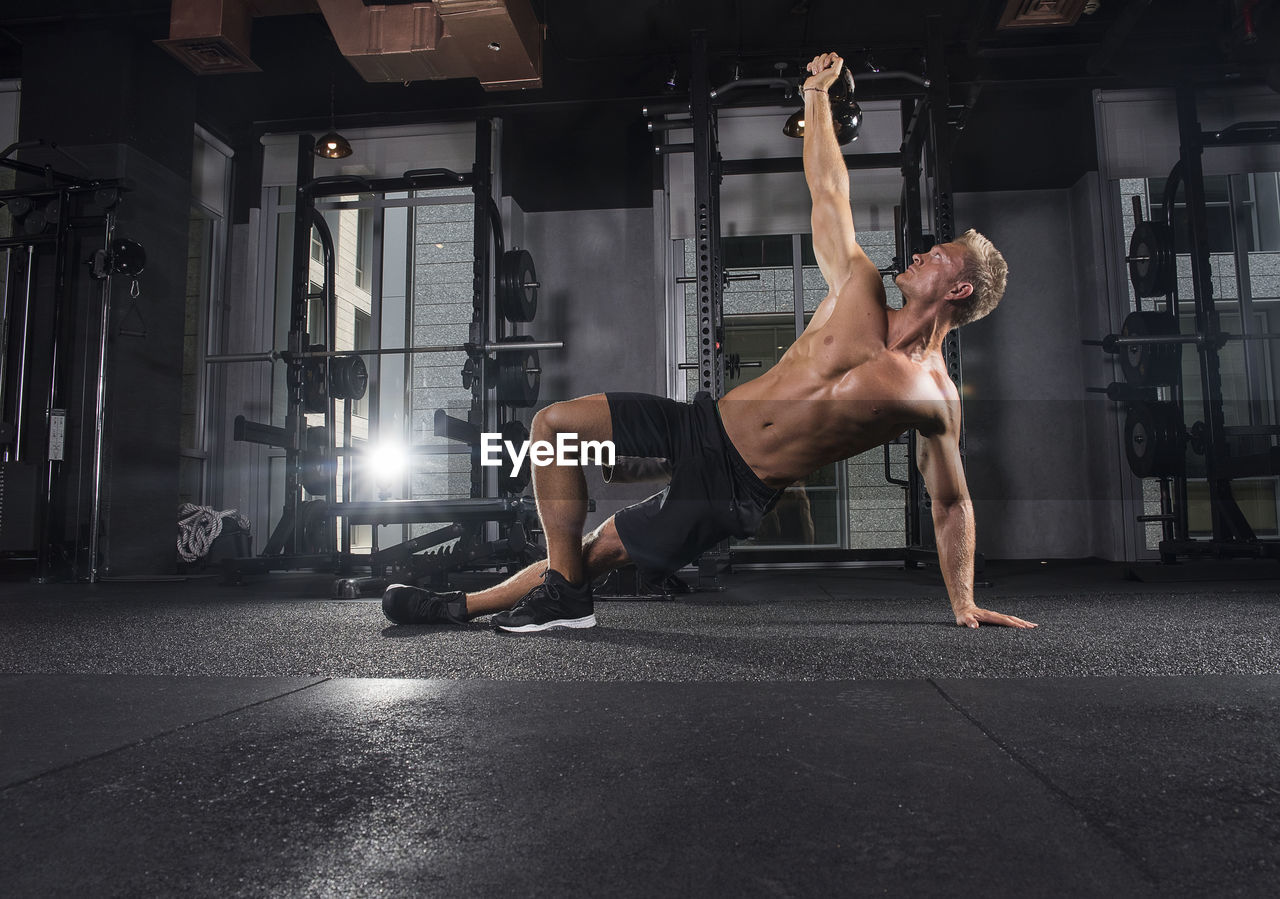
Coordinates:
[441,314]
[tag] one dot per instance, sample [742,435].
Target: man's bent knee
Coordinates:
[587,416]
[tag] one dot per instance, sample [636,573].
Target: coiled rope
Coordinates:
[199,526]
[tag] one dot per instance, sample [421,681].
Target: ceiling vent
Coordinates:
[1041,13]
[210,37]
[497,41]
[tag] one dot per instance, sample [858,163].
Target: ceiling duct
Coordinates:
[1041,13]
[496,41]
[210,36]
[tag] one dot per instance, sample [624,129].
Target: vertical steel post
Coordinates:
[295,421]
[5,307]
[706,182]
[57,361]
[1229,524]
[22,355]
[482,189]
[100,414]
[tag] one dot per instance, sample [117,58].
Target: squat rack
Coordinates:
[305,535]
[929,126]
[1159,449]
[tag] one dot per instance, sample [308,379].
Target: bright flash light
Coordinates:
[387,461]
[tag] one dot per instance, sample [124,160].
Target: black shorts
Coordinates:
[713,493]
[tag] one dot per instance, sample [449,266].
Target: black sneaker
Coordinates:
[553,603]
[403,604]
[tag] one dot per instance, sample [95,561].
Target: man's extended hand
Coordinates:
[823,71]
[974,616]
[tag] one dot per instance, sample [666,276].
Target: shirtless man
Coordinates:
[860,375]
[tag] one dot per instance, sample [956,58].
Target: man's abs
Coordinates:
[791,421]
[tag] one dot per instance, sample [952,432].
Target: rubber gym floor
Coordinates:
[800,733]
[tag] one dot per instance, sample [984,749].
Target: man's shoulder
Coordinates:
[933,398]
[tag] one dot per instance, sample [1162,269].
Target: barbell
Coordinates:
[471,349]
[517,374]
[733,365]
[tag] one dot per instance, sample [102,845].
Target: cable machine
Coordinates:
[55,340]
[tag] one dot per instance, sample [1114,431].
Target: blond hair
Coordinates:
[987,271]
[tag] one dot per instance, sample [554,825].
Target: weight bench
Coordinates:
[407,561]
[418,511]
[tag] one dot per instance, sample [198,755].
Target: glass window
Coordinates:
[364,249]
[361,332]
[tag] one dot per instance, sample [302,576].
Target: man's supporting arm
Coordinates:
[938,457]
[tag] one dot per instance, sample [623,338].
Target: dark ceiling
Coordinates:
[580,139]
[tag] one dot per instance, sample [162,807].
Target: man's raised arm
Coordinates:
[827,174]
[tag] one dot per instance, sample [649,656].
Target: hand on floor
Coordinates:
[975,616]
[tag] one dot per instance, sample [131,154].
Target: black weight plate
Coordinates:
[516,301]
[127,257]
[1139,428]
[350,377]
[1155,439]
[519,376]
[1152,267]
[315,396]
[314,524]
[316,462]
[34,223]
[1150,364]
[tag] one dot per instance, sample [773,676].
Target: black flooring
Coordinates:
[800,734]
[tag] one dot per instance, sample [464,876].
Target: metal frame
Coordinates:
[1231,534]
[929,125]
[52,319]
[474,527]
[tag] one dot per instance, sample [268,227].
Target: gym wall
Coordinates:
[596,268]
[1038,473]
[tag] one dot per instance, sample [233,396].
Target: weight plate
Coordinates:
[34,223]
[519,376]
[517,291]
[315,527]
[1152,267]
[316,462]
[127,257]
[350,377]
[315,397]
[1155,439]
[1152,363]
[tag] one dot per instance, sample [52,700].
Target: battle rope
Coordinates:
[199,526]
